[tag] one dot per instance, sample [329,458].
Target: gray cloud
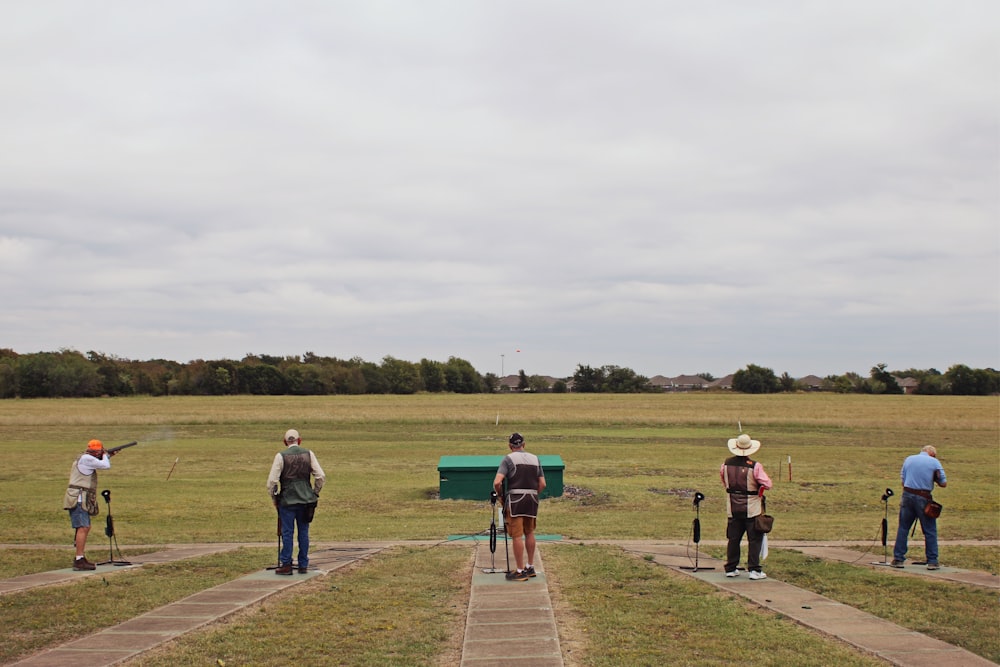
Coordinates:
[666,186]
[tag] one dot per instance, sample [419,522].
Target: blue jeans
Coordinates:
[292,517]
[911,508]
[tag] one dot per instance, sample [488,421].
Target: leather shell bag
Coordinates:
[763,522]
[932,509]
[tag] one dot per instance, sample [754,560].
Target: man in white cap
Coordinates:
[296,499]
[745,482]
[919,474]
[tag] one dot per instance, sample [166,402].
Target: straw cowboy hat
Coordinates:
[743,445]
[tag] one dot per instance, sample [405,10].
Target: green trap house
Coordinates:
[471,477]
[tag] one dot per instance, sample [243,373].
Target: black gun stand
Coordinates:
[109,530]
[885,528]
[493,569]
[696,530]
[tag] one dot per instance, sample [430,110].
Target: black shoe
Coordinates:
[514,575]
[303,570]
[530,571]
[284,569]
[897,563]
[83,564]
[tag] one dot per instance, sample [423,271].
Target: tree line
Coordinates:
[958,380]
[71,374]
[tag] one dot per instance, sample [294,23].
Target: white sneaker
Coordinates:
[734,573]
[758,575]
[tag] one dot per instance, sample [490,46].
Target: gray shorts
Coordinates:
[78,517]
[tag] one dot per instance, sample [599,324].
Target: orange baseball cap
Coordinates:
[95,444]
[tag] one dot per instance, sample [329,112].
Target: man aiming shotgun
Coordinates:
[80,499]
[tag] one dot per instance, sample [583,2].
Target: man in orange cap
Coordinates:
[81,497]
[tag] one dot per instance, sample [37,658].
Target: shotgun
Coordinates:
[121,447]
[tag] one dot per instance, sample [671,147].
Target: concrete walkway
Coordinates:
[499,608]
[946,573]
[125,640]
[181,552]
[891,642]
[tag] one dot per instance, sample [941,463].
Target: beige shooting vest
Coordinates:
[81,485]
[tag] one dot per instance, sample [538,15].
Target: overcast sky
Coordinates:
[674,187]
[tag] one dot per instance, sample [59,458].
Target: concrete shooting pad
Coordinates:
[499,608]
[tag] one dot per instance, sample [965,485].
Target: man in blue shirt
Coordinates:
[919,474]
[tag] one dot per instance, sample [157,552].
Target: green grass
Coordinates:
[381,454]
[985,558]
[18,561]
[42,617]
[621,610]
[401,608]
[637,454]
[965,616]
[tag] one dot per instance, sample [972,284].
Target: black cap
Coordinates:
[516,440]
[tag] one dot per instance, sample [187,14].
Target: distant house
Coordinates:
[811,382]
[513,382]
[688,383]
[509,383]
[722,383]
[908,385]
[661,382]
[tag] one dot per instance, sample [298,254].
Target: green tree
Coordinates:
[756,380]
[349,378]
[967,381]
[260,379]
[432,375]
[461,377]
[491,382]
[620,380]
[375,380]
[883,379]
[538,383]
[63,374]
[587,380]
[8,377]
[403,377]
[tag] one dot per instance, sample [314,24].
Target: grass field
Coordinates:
[640,458]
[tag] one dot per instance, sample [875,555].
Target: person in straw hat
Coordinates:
[745,482]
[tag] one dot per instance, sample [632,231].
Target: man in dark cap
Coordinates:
[525,481]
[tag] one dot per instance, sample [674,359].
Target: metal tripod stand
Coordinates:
[885,528]
[696,532]
[109,530]
[493,569]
